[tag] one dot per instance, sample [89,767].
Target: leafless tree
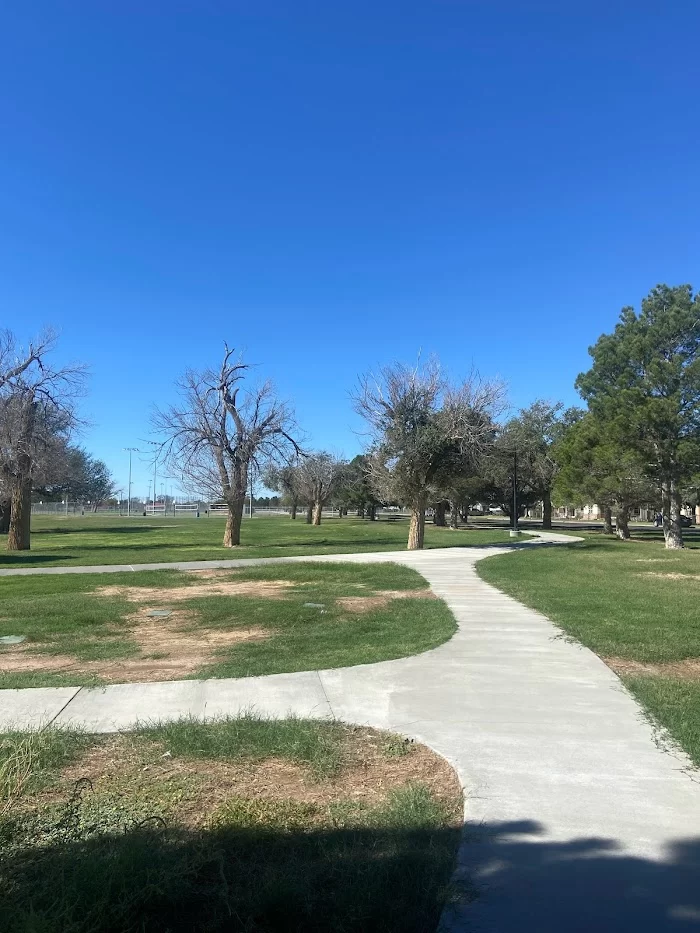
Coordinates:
[425,431]
[37,414]
[318,475]
[221,431]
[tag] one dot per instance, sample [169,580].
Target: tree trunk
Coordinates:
[372,513]
[547,510]
[318,508]
[309,513]
[454,516]
[5,512]
[18,536]
[439,517]
[416,530]
[232,533]
[360,512]
[607,520]
[622,528]
[671,512]
[293,510]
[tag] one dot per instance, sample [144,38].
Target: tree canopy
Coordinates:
[644,387]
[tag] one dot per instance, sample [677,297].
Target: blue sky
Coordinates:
[332,186]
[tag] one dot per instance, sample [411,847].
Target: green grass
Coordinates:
[65,616]
[610,595]
[674,704]
[109,539]
[613,597]
[160,847]
[304,741]
[28,761]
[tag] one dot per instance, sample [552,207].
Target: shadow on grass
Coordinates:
[98,529]
[155,879]
[17,558]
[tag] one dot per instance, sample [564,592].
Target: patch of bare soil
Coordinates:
[367,776]
[167,652]
[380,599]
[266,589]
[687,669]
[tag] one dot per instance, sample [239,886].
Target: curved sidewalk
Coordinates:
[576,819]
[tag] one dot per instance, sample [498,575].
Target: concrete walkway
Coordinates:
[576,819]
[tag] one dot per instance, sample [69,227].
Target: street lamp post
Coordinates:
[155,467]
[128,504]
[514,532]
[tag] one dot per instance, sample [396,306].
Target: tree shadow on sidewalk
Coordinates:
[513,879]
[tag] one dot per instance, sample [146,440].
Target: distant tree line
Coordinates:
[436,445]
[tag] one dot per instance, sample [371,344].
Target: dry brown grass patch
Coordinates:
[380,599]
[265,589]
[687,669]
[367,777]
[167,651]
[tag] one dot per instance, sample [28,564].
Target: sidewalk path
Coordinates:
[577,820]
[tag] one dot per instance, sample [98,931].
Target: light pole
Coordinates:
[131,451]
[514,530]
[155,467]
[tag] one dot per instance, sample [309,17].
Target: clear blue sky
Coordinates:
[334,185]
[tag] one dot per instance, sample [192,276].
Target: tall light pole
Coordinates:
[131,450]
[514,531]
[155,467]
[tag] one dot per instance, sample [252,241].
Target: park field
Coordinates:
[89,629]
[633,603]
[92,540]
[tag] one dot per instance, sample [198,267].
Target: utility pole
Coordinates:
[155,467]
[128,504]
[514,530]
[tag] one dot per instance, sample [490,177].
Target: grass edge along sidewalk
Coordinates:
[632,603]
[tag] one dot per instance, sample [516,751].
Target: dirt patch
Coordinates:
[167,652]
[265,589]
[367,776]
[380,599]
[687,669]
[670,576]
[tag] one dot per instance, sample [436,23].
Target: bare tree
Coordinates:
[37,411]
[318,476]
[222,430]
[425,432]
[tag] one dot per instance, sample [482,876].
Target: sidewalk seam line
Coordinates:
[63,708]
[323,688]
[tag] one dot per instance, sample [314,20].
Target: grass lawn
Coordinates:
[87,629]
[240,825]
[633,603]
[109,539]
